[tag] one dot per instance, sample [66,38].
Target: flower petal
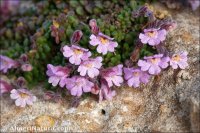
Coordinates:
[68,52]
[14,95]
[144,39]
[144,65]
[18,102]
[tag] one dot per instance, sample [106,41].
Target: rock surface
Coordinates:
[167,104]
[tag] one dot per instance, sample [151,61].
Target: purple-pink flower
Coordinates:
[7,63]
[77,85]
[113,75]
[90,67]
[22,97]
[76,54]
[153,36]
[4,87]
[135,76]
[106,92]
[105,43]
[179,60]
[57,74]
[153,64]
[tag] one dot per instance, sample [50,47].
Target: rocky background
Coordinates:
[169,103]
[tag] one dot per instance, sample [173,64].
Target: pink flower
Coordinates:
[90,67]
[7,63]
[26,67]
[4,87]
[194,4]
[77,85]
[76,54]
[57,74]
[153,36]
[179,60]
[113,75]
[105,43]
[135,76]
[106,92]
[23,97]
[153,64]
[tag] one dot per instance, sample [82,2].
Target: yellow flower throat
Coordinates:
[103,40]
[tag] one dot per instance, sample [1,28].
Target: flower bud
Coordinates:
[21,81]
[94,27]
[26,67]
[95,89]
[48,95]
[76,37]
[24,58]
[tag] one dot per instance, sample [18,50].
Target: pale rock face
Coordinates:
[161,105]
